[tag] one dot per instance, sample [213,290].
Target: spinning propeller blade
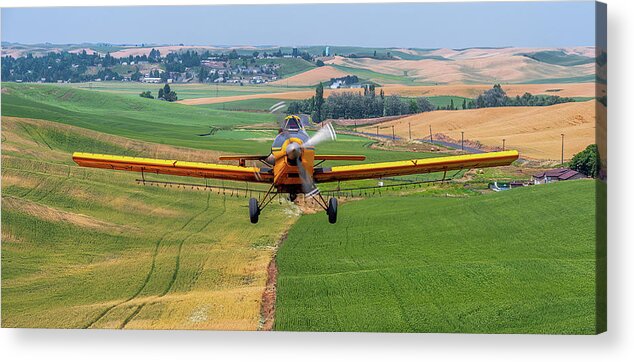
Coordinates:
[326,133]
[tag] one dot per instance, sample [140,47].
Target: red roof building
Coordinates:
[559,174]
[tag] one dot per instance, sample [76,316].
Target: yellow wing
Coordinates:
[416,166]
[174,167]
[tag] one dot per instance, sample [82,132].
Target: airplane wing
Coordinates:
[415,166]
[174,167]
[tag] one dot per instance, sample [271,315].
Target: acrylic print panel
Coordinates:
[435,167]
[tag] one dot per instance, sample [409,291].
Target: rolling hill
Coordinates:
[520,261]
[534,131]
[85,248]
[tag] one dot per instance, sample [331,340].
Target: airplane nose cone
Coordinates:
[293,151]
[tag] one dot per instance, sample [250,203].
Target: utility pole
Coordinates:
[377,131]
[393,136]
[409,126]
[355,126]
[431,138]
[562,148]
[503,143]
[462,140]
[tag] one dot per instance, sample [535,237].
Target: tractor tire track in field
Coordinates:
[53,189]
[180,247]
[178,256]
[41,181]
[399,302]
[149,275]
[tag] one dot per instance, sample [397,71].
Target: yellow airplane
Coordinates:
[290,167]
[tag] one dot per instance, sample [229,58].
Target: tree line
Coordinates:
[352,105]
[496,97]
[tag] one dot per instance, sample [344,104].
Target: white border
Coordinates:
[616,344]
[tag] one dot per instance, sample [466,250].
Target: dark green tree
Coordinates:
[146,94]
[202,74]
[587,161]
[319,101]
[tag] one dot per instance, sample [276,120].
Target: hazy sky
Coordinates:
[426,25]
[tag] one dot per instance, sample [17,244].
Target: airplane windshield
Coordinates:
[291,124]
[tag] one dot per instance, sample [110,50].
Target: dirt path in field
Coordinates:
[269,297]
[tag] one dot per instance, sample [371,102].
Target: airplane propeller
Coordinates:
[294,152]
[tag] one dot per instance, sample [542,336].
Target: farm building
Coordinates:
[559,174]
[151,80]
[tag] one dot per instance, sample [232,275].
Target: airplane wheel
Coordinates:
[292,197]
[254,210]
[332,210]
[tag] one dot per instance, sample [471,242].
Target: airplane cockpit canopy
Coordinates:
[292,123]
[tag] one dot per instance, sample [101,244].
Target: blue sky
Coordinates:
[423,25]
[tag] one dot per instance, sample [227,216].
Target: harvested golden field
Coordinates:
[512,90]
[475,65]
[534,131]
[312,77]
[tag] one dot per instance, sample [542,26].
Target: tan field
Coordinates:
[512,90]
[463,90]
[505,65]
[311,77]
[534,131]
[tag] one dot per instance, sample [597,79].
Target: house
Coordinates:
[151,80]
[559,174]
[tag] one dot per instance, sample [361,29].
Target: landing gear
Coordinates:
[332,210]
[292,197]
[254,210]
[256,207]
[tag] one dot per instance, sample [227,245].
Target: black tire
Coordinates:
[254,210]
[332,210]
[292,197]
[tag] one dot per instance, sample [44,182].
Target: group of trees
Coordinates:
[496,97]
[587,161]
[351,105]
[74,67]
[62,66]
[165,93]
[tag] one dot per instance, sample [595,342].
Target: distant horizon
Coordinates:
[272,46]
[450,25]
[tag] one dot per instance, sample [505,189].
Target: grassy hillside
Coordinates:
[85,248]
[184,91]
[559,57]
[380,78]
[520,261]
[288,66]
[162,122]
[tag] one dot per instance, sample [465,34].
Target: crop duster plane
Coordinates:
[291,168]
